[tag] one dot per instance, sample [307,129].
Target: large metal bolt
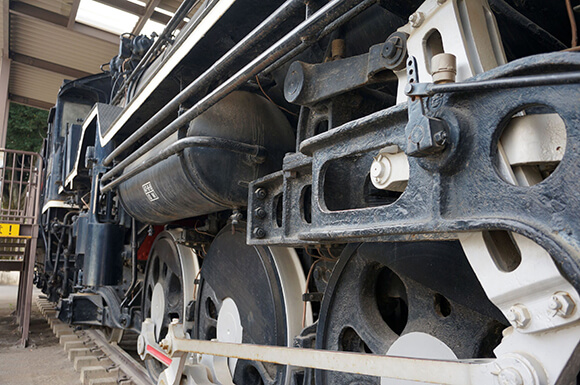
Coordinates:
[561,304]
[519,316]
[260,193]
[510,376]
[259,232]
[440,138]
[416,19]
[260,212]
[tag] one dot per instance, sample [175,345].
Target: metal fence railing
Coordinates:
[19,179]
[20,188]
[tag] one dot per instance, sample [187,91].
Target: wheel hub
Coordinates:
[418,345]
[243,299]
[158,308]
[229,327]
[417,299]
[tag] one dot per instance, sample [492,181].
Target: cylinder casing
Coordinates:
[202,180]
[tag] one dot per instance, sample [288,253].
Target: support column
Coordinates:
[4,101]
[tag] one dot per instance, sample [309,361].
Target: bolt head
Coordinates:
[519,316]
[561,304]
[408,88]
[440,138]
[389,50]
[260,193]
[260,213]
[510,376]
[259,232]
[416,19]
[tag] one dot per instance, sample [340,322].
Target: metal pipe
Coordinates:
[497,84]
[66,254]
[59,245]
[133,259]
[204,80]
[325,32]
[309,29]
[258,152]
[515,17]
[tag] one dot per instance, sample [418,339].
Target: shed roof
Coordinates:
[47,44]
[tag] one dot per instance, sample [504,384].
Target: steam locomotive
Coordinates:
[327,192]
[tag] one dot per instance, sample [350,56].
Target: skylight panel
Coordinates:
[105,17]
[152,26]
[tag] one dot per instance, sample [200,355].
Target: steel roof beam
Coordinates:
[149,10]
[48,66]
[30,102]
[23,9]
[73,13]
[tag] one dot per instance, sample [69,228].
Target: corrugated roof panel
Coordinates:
[59,45]
[34,83]
[62,7]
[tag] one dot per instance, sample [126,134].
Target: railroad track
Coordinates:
[98,361]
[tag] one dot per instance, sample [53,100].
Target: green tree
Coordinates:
[26,128]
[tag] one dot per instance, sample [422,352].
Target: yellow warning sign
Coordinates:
[9,230]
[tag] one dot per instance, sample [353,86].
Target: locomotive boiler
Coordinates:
[327,192]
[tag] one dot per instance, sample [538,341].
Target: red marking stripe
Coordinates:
[160,356]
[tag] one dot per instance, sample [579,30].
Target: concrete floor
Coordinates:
[43,362]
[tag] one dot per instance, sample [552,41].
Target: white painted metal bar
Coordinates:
[413,369]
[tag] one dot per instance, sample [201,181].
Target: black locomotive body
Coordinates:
[372,176]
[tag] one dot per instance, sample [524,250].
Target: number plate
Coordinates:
[9,230]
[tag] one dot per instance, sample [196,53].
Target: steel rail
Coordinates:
[127,364]
[205,79]
[309,28]
[255,151]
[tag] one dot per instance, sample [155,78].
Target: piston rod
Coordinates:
[310,27]
[472,372]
